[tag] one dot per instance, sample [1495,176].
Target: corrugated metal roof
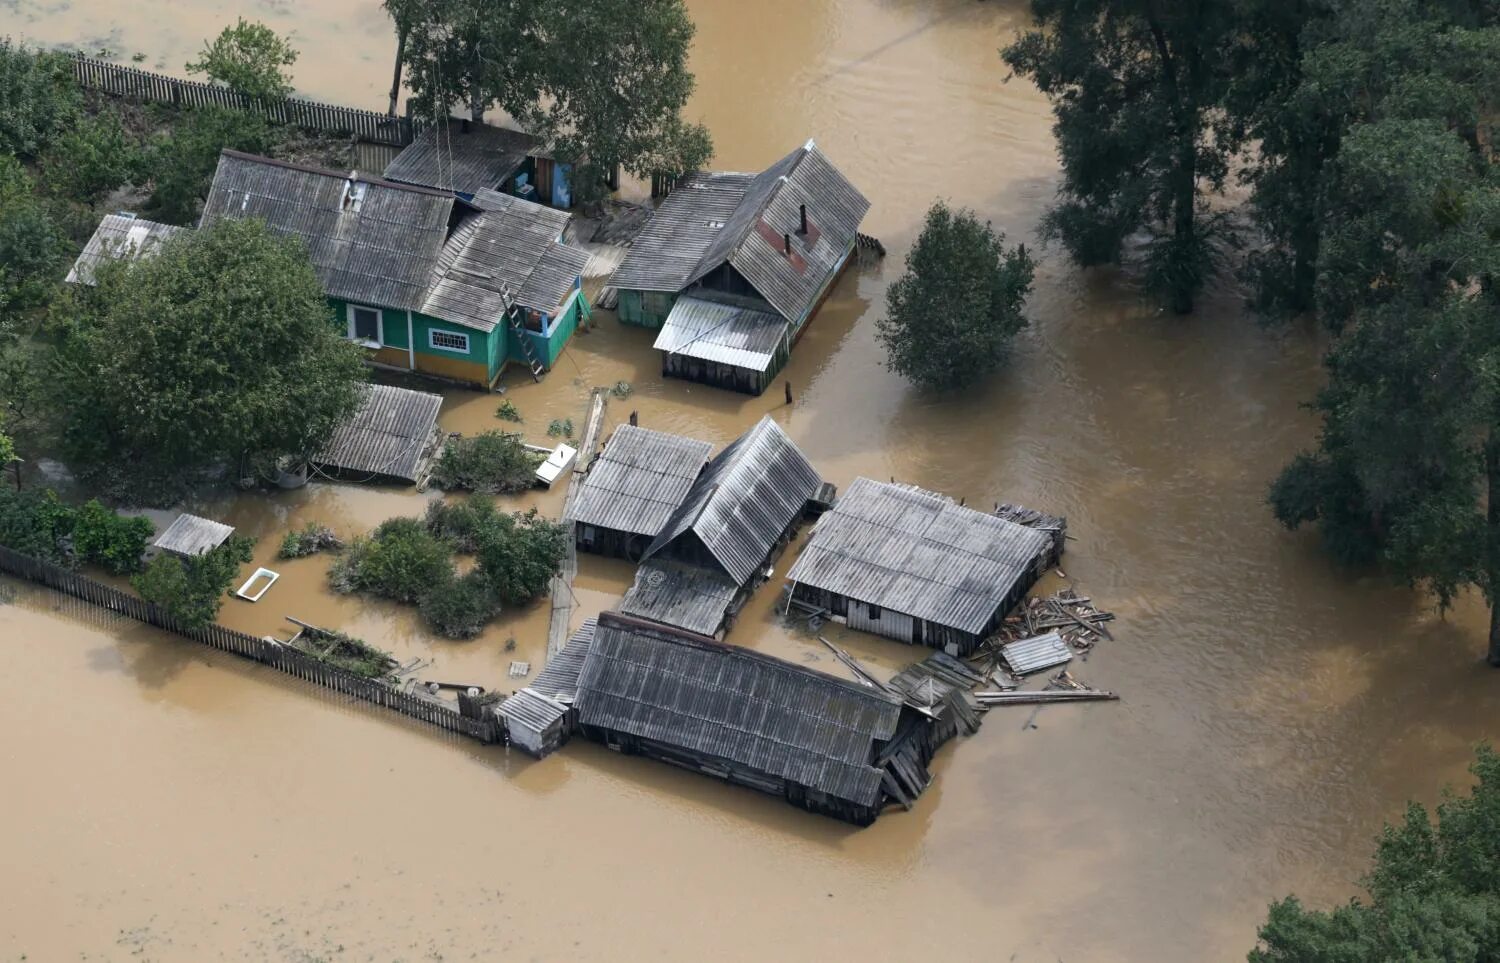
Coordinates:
[743,220]
[1025,656]
[725,333]
[919,553]
[667,251]
[387,435]
[513,245]
[682,595]
[120,237]
[745,499]
[467,162]
[369,240]
[193,535]
[531,710]
[734,704]
[638,480]
[559,677]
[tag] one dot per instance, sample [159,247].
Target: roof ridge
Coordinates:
[340,175]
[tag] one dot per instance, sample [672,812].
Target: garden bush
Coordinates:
[460,523]
[113,542]
[192,589]
[182,163]
[400,561]
[492,463]
[35,522]
[39,98]
[307,540]
[461,607]
[519,553]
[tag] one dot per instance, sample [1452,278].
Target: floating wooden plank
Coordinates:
[1045,695]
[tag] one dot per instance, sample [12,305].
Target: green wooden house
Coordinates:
[732,266]
[427,281]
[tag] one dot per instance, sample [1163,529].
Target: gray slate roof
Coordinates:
[919,553]
[531,710]
[193,535]
[723,333]
[387,435]
[751,238]
[686,596]
[379,250]
[514,246]
[120,237]
[559,677]
[464,162]
[736,704]
[749,494]
[638,480]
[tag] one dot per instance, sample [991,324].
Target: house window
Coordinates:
[448,340]
[364,326]
[874,612]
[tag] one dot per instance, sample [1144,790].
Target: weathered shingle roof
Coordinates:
[665,254]
[919,553]
[465,162]
[120,237]
[686,596]
[751,236]
[559,677]
[388,435]
[724,333]
[638,480]
[531,710]
[379,248]
[514,246]
[192,535]
[745,499]
[736,704]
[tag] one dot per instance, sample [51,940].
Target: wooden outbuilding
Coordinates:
[393,435]
[913,565]
[631,489]
[466,157]
[540,718]
[192,535]
[120,237]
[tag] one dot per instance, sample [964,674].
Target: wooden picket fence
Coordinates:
[143,85]
[267,652]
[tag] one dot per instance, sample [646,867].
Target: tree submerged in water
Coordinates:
[1434,891]
[250,59]
[954,311]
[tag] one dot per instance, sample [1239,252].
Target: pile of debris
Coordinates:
[1070,615]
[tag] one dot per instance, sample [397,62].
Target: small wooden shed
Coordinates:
[191,535]
[632,488]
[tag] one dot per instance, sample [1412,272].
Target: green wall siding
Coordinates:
[479,341]
[647,309]
[483,348]
[548,349]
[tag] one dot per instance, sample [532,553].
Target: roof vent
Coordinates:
[354,194]
[786,241]
[803,229]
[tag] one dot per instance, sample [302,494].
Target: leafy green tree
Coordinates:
[7,450]
[518,555]
[216,351]
[34,254]
[491,462]
[191,590]
[39,98]
[460,607]
[1434,891]
[401,560]
[950,317]
[36,523]
[1136,89]
[92,159]
[248,58]
[182,162]
[113,542]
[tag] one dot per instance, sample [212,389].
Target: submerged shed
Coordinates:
[120,237]
[913,565]
[743,507]
[632,488]
[393,435]
[540,718]
[736,714]
[192,535]
[728,345]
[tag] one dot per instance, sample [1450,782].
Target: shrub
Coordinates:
[113,542]
[248,58]
[493,462]
[36,523]
[191,590]
[560,428]
[347,653]
[518,555]
[92,159]
[508,412]
[182,164]
[33,253]
[461,523]
[308,539]
[38,98]
[400,561]
[460,607]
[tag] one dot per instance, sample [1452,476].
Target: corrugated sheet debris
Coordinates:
[1036,654]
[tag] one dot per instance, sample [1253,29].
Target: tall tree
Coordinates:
[1434,891]
[248,58]
[218,350]
[1135,88]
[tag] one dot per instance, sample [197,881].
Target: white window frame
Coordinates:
[379,325]
[432,334]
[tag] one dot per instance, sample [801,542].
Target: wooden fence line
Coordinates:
[281,657]
[137,84]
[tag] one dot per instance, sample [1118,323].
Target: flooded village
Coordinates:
[791,577]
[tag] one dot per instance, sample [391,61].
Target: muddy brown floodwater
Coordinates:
[167,802]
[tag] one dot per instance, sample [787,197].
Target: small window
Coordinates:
[448,340]
[874,611]
[364,325]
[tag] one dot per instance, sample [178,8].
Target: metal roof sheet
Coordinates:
[1025,656]
[918,553]
[638,480]
[735,704]
[120,237]
[745,499]
[532,710]
[725,333]
[666,253]
[559,677]
[193,535]
[682,595]
[387,435]
[465,156]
